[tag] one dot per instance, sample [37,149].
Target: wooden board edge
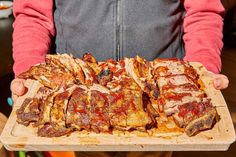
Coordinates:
[10,142]
[137,147]
[216,96]
[7,130]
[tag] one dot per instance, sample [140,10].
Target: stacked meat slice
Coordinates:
[93,108]
[127,109]
[83,104]
[141,71]
[181,96]
[82,94]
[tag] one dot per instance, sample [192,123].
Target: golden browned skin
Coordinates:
[67,62]
[53,123]
[131,94]
[126,108]
[77,115]
[89,73]
[28,112]
[49,75]
[92,62]
[204,122]
[141,71]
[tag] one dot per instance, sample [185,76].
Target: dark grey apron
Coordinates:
[120,28]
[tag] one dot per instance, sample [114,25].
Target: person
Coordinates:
[187,29]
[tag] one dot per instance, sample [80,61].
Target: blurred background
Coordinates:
[228,61]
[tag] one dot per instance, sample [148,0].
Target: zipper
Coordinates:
[118,29]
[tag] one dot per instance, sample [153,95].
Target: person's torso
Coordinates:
[119,28]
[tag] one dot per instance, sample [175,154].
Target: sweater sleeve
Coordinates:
[33,29]
[203,24]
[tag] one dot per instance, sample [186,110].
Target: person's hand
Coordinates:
[17,88]
[220,81]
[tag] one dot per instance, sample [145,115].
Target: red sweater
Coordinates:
[34,28]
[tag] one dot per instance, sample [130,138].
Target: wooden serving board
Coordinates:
[19,137]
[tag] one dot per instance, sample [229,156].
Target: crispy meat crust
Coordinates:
[29,111]
[77,116]
[205,121]
[49,75]
[130,94]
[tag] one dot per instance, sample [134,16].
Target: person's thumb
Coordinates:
[18,87]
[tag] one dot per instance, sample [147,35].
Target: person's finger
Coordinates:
[220,81]
[17,87]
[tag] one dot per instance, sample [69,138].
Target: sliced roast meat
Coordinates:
[99,112]
[104,77]
[188,87]
[126,108]
[53,130]
[117,111]
[28,112]
[167,67]
[170,101]
[92,62]
[59,107]
[195,116]
[130,94]
[141,71]
[175,80]
[30,109]
[66,61]
[89,73]
[45,107]
[53,123]
[205,121]
[49,75]
[77,115]
[117,69]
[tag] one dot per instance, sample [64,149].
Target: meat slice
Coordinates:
[126,108]
[43,92]
[66,61]
[137,118]
[195,116]
[194,109]
[117,69]
[59,107]
[49,75]
[187,87]
[107,69]
[78,111]
[141,71]
[109,64]
[117,111]
[30,109]
[99,112]
[56,125]
[45,107]
[88,109]
[124,82]
[166,67]
[204,122]
[172,99]
[89,73]
[28,112]
[92,62]
[173,96]
[52,130]
[174,80]
[105,76]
